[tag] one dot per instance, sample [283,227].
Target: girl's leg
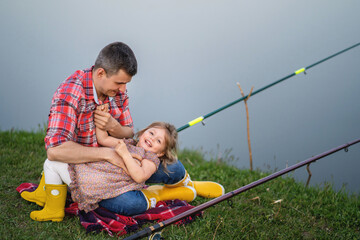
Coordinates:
[128,204]
[56,172]
[176,172]
[178,177]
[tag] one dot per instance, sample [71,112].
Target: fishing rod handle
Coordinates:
[146,232]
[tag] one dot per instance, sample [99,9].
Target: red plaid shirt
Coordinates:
[71,115]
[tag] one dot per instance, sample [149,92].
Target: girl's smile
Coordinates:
[153,140]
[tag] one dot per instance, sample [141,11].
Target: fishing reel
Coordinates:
[156,236]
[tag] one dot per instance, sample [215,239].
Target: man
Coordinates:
[71,131]
[71,136]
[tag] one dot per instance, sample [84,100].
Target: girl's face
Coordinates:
[153,140]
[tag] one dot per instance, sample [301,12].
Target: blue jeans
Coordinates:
[134,202]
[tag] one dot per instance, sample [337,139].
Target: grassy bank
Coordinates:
[279,209]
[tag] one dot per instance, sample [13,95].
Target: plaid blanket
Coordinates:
[102,219]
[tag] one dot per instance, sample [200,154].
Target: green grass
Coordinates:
[302,213]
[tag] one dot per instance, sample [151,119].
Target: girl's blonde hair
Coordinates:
[171,137]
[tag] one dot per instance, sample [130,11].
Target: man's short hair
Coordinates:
[116,56]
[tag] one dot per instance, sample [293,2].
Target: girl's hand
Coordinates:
[136,156]
[121,149]
[103,108]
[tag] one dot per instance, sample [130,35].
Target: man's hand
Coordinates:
[104,120]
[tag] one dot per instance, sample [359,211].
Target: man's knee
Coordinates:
[136,206]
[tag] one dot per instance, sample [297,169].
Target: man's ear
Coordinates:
[100,72]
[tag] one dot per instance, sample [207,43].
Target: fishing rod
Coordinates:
[201,118]
[157,227]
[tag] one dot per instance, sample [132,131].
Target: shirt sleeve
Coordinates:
[152,157]
[63,115]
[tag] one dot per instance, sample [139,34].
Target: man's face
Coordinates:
[110,86]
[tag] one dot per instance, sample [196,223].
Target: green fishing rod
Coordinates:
[301,70]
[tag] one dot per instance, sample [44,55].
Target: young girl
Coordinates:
[90,183]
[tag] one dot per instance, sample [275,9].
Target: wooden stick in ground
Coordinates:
[310,174]
[247,122]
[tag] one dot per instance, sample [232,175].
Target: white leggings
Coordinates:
[56,172]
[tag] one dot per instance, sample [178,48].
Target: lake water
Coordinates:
[191,55]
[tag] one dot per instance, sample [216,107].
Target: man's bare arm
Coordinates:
[121,131]
[106,122]
[71,152]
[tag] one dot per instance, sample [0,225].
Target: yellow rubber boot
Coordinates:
[156,193]
[38,196]
[54,209]
[206,189]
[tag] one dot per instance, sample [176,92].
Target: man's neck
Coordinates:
[99,95]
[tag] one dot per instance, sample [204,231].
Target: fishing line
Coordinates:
[301,70]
